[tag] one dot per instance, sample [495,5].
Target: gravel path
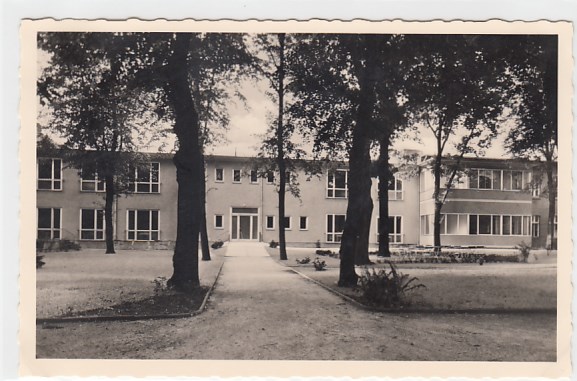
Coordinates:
[261,310]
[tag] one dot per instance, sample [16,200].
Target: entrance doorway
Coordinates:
[244,224]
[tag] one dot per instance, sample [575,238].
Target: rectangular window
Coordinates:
[473,223]
[484,224]
[535,227]
[496,229]
[455,224]
[219,175]
[337,184]
[49,223]
[287,223]
[485,179]
[236,176]
[395,229]
[49,173]
[506,225]
[253,177]
[474,179]
[91,224]
[270,222]
[335,227]
[90,181]
[270,177]
[218,221]
[396,189]
[516,225]
[146,178]
[427,222]
[304,223]
[143,225]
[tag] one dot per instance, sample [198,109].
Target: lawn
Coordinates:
[78,281]
[455,286]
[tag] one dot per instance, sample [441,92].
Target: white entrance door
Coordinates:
[244,224]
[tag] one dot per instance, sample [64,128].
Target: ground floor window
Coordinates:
[218,221]
[484,224]
[335,227]
[427,221]
[287,223]
[49,223]
[270,222]
[535,229]
[143,225]
[304,223]
[395,228]
[91,224]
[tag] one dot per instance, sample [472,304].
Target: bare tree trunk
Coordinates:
[552,195]
[188,162]
[205,248]
[280,151]
[384,179]
[437,199]
[108,214]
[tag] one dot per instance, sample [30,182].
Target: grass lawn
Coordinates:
[455,286]
[78,281]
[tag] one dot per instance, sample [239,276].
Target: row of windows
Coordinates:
[237,176]
[145,178]
[483,224]
[142,225]
[338,186]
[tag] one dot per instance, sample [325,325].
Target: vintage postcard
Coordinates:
[315,198]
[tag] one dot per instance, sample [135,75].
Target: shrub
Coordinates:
[323,252]
[217,244]
[303,261]
[319,265]
[318,244]
[67,245]
[386,288]
[273,244]
[524,251]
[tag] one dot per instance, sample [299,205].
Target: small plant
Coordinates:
[67,245]
[524,251]
[323,252]
[303,261]
[386,288]
[39,261]
[318,244]
[160,285]
[319,265]
[217,244]
[273,244]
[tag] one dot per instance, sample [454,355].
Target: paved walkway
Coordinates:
[260,309]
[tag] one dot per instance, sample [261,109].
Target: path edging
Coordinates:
[80,319]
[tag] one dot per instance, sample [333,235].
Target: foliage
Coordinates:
[524,251]
[386,288]
[273,244]
[67,245]
[319,264]
[40,261]
[303,261]
[217,244]
[160,285]
[318,244]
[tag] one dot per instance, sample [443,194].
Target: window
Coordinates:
[454,224]
[512,180]
[335,226]
[236,176]
[427,224]
[396,189]
[49,174]
[218,222]
[219,175]
[49,222]
[253,177]
[287,223]
[394,227]
[304,223]
[485,179]
[535,220]
[91,224]
[143,225]
[337,184]
[270,222]
[89,180]
[146,179]
[270,177]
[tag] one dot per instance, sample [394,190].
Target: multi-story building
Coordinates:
[496,203]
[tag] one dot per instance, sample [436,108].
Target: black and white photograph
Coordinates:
[379,197]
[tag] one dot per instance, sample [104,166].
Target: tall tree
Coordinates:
[534,101]
[456,95]
[84,84]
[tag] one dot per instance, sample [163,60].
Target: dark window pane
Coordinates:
[56,224]
[131,236]
[287,222]
[270,222]
[506,225]
[155,171]
[154,220]
[44,169]
[56,234]
[131,219]
[100,219]
[57,169]
[303,223]
[88,186]
[496,225]
[253,176]
[143,188]
[270,177]
[44,218]
[44,184]
[44,234]
[484,224]
[155,188]
[154,236]
[473,224]
[87,234]
[142,236]
[142,220]
[87,219]
[339,223]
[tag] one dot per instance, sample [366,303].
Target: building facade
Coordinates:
[496,203]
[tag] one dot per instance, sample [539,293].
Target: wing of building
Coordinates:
[496,203]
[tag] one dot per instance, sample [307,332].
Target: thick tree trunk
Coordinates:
[205,248]
[362,247]
[437,200]
[384,179]
[108,214]
[188,162]
[280,151]
[552,195]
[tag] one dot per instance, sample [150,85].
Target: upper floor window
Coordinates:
[396,189]
[253,177]
[146,179]
[219,175]
[270,177]
[236,176]
[49,174]
[337,184]
[90,181]
[498,179]
[49,223]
